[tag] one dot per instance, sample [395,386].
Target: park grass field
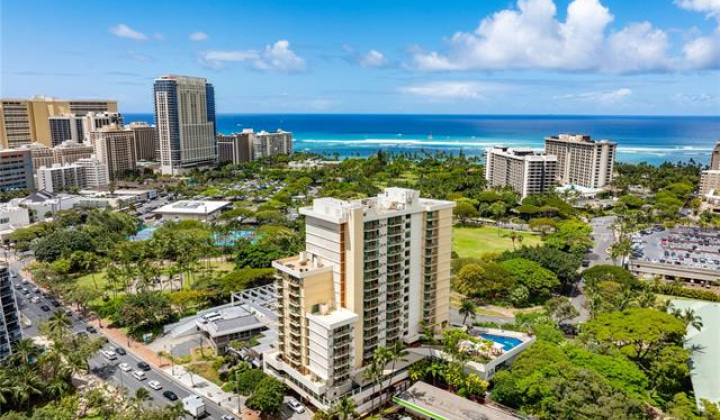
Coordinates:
[473,242]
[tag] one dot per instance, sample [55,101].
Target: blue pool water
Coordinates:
[508,343]
[143,234]
[232,237]
[220,240]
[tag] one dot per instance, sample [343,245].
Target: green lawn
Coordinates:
[473,242]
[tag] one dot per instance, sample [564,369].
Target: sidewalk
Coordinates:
[207,389]
[139,349]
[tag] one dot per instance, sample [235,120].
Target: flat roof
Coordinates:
[334,318]
[192,207]
[705,373]
[429,401]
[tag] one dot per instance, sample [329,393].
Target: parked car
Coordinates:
[109,354]
[170,395]
[155,385]
[55,303]
[119,350]
[295,405]
[45,308]
[125,367]
[143,366]
[139,375]
[34,299]
[91,329]
[228,417]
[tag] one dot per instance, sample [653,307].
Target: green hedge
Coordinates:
[668,289]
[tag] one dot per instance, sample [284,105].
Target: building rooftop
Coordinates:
[577,138]
[232,320]
[302,265]
[192,207]
[390,201]
[524,153]
[334,318]
[429,401]
[706,344]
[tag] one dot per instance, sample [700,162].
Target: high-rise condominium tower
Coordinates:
[185,121]
[527,172]
[23,121]
[10,331]
[115,147]
[582,161]
[715,157]
[373,272]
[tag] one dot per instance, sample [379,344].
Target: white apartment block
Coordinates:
[96,173]
[41,154]
[267,144]
[373,272]
[94,121]
[185,118]
[114,146]
[61,178]
[524,170]
[582,161]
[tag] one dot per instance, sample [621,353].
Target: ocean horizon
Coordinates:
[651,139]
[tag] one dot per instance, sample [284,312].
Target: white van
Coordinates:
[139,375]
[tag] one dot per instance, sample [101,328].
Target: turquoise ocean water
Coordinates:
[641,139]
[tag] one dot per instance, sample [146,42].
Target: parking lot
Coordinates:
[692,248]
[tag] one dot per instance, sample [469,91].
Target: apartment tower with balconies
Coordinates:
[374,272]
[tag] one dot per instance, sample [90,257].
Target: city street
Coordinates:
[100,366]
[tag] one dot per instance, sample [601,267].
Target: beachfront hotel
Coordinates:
[373,272]
[185,121]
[24,121]
[524,170]
[582,161]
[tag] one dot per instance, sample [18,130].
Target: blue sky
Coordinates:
[659,57]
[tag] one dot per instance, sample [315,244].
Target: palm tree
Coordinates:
[345,409]
[25,351]
[141,395]
[621,249]
[58,325]
[436,370]
[467,308]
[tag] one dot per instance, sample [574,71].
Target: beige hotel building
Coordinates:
[581,160]
[373,272]
[24,121]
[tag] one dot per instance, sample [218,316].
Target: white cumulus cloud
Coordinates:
[531,36]
[373,58]
[446,90]
[710,7]
[275,57]
[198,36]
[601,98]
[124,31]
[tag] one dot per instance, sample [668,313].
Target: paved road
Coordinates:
[101,367]
[603,239]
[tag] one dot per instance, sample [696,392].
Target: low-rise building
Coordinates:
[45,203]
[234,323]
[12,217]
[203,211]
[61,178]
[524,170]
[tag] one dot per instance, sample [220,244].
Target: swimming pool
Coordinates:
[143,234]
[508,343]
[232,237]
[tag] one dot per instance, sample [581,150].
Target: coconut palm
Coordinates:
[467,308]
[345,409]
[24,351]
